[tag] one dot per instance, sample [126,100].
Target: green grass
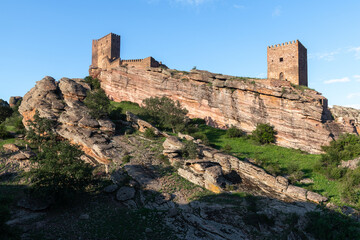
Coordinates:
[272,155]
[128,106]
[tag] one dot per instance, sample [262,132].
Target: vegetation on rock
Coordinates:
[98,103]
[5,110]
[165,113]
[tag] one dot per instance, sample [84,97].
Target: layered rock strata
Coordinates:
[214,171]
[347,115]
[62,102]
[300,116]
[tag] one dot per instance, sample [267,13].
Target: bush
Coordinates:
[126,159]
[5,110]
[93,82]
[3,133]
[264,134]
[165,113]
[149,133]
[296,176]
[331,225]
[40,130]
[190,150]
[202,136]
[234,132]
[227,148]
[98,103]
[59,172]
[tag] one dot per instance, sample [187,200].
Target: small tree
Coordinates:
[40,130]
[93,82]
[59,171]
[190,150]
[5,110]
[3,132]
[98,103]
[264,134]
[165,113]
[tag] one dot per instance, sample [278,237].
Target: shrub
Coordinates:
[98,103]
[264,134]
[126,159]
[40,130]
[3,133]
[190,150]
[296,176]
[227,148]
[59,172]
[5,110]
[331,225]
[149,133]
[93,82]
[202,136]
[234,132]
[165,113]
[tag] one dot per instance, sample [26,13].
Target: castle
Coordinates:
[106,54]
[286,61]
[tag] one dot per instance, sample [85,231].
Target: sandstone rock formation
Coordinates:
[300,116]
[209,170]
[14,100]
[347,115]
[62,102]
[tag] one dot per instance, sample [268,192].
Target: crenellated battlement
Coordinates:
[284,44]
[132,60]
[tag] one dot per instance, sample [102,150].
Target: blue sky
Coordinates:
[40,38]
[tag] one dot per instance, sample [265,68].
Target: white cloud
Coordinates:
[277,11]
[353,95]
[356,50]
[357,77]
[339,80]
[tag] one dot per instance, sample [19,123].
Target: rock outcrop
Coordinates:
[300,116]
[347,115]
[62,102]
[219,172]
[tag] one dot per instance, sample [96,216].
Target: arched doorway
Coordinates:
[281,76]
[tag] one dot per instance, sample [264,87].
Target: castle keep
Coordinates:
[288,61]
[106,54]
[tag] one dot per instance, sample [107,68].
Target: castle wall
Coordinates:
[288,61]
[141,63]
[105,49]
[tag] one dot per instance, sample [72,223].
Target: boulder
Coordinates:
[125,193]
[11,147]
[111,188]
[33,204]
[351,164]
[173,143]
[315,197]
[14,100]
[296,192]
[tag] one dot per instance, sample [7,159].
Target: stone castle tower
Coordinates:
[105,50]
[106,54]
[288,61]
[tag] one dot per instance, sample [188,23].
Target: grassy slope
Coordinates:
[268,154]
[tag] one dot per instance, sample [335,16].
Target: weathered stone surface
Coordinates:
[11,147]
[125,193]
[62,102]
[241,103]
[351,164]
[348,115]
[23,155]
[315,197]
[297,192]
[185,136]
[140,124]
[14,100]
[173,144]
[111,188]
[33,204]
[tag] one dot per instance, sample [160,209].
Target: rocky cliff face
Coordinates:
[300,116]
[350,116]
[62,102]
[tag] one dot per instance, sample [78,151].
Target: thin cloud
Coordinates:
[239,6]
[327,56]
[353,95]
[357,77]
[356,51]
[277,11]
[192,2]
[339,80]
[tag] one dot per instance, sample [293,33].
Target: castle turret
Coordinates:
[105,50]
[288,61]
